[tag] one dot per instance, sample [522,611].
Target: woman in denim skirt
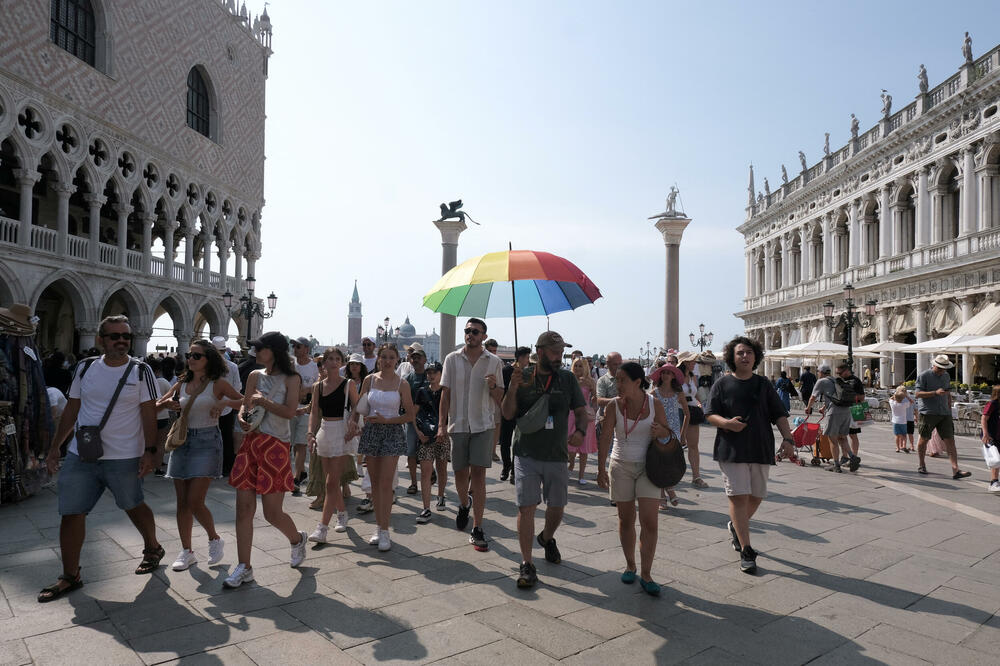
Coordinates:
[195,463]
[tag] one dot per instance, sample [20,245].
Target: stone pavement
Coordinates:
[881,566]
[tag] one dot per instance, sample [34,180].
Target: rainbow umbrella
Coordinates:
[510,284]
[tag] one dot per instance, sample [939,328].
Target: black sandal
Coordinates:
[53,592]
[150,560]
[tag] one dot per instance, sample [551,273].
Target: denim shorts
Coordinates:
[299,426]
[82,484]
[412,441]
[199,457]
[898,428]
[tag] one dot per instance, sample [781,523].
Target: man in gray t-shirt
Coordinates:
[933,392]
[838,419]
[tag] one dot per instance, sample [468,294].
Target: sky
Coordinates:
[562,125]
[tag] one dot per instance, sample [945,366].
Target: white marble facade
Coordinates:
[908,212]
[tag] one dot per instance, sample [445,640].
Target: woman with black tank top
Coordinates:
[331,436]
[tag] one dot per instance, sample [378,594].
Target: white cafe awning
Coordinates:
[985,322]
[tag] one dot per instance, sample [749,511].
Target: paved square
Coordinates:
[881,566]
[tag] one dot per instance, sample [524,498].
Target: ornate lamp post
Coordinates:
[386,333]
[248,306]
[647,354]
[850,318]
[703,340]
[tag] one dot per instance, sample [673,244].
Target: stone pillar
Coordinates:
[806,244]
[882,319]
[140,341]
[63,192]
[450,231]
[768,268]
[937,213]
[748,288]
[854,223]
[223,260]
[88,335]
[94,203]
[183,340]
[987,174]
[896,212]
[828,243]
[884,224]
[252,262]
[148,220]
[786,261]
[26,180]
[672,229]
[123,211]
[188,255]
[968,225]
[238,273]
[967,304]
[922,210]
[168,249]
[920,322]
[206,258]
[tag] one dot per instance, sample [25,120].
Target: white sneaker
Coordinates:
[299,550]
[319,535]
[994,487]
[373,539]
[384,543]
[216,548]
[241,574]
[184,560]
[341,522]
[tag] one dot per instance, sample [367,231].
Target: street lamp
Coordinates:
[248,307]
[703,340]
[385,333]
[647,354]
[850,318]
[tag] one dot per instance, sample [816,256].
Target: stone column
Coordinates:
[937,213]
[238,273]
[968,224]
[882,319]
[896,212]
[884,224]
[450,231]
[748,289]
[768,268]
[252,258]
[806,244]
[26,180]
[986,174]
[168,249]
[183,340]
[94,203]
[189,255]
[967,304]
[208,239]
[123,211]
[922,210]
[786,261]
[63,192]
[672,229]
[148,220]
[88,335]
[920,322]
[140,341]
[854,222]
[223,260]
[828,243]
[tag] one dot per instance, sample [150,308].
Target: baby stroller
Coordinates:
[807,436]
[798,423]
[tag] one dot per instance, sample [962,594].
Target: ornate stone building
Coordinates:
[131,162]
[908,212]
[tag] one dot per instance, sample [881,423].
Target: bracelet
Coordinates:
[787,439]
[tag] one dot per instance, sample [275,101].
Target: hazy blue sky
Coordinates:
[562,125]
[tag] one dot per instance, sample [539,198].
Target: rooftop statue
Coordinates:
[967,49]
[451,211]
[802,160]
[854,127]
[767,188]
[922,78]
[784,175]
[826,144]
[886,103]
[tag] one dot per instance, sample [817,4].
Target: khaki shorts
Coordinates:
[745,478]
[629,482]
[928,423]
[471,448]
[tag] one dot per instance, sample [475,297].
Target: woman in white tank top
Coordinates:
[633,419]
[204,392]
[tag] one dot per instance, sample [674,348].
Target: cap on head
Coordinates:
[823,369]
[367,339]
[272,340]
[356,358]
[551,339]
[942,361]
[416,348]
[219,342]
[304,341]
[434,367]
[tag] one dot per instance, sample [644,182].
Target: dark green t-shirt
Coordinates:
[564,395]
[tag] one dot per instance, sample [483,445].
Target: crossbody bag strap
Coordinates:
[118,390]
[191,398]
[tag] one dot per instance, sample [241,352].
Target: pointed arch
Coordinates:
[11,290]
[135,304]
[75,289]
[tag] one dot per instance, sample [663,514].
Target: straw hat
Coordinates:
[18,319]
[942,361]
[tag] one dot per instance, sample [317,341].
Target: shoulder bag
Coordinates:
[89,445]
[534,419]
[255,415]
[179,429]
[665,465]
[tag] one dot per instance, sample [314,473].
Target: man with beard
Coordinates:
[540,446]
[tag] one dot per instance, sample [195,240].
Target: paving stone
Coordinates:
[96,643]
[366,588]
[341,621]
[918,645]
[537,630]
[642,646]
[14,653]
[298,646]
[713,656]
[32,557]
[439,607]
[506,651]
[426,644]
[231,654]
[781,595]
[861,652]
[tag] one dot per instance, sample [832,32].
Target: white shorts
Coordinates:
[745,478]
[330,440]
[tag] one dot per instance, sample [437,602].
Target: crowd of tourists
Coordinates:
[282,423]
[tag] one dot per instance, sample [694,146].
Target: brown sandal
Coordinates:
[53,592]
[150,560]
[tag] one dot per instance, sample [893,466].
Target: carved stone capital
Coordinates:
[27,176]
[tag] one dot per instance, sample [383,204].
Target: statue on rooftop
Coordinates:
[826,144]
[784,175]
[886,103]
[967,49]
[854,127]
[922,79]
[767,188]
[802,160]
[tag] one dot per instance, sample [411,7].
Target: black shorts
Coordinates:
[853,431]
[909,427]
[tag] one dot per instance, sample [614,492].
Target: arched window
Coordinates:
[73,27]
[199,103]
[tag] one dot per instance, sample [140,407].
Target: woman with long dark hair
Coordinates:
[696,416]
[263,463]
[195,463]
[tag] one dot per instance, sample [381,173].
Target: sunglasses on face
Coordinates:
[117,336]
[194,356]
[473,331]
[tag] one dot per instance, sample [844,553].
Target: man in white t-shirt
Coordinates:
[227,419]
[309,371]
[128,441]
[368,346]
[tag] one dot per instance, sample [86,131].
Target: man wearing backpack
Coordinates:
[837,396]
[112,406]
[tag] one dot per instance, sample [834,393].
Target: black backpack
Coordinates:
[844,394]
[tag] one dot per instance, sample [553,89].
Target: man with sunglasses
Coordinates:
[472,386]
[124,457]
[368,347]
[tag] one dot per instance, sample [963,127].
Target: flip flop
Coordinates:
[53,592]
[150,560]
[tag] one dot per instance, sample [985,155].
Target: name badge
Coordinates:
[549,424]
